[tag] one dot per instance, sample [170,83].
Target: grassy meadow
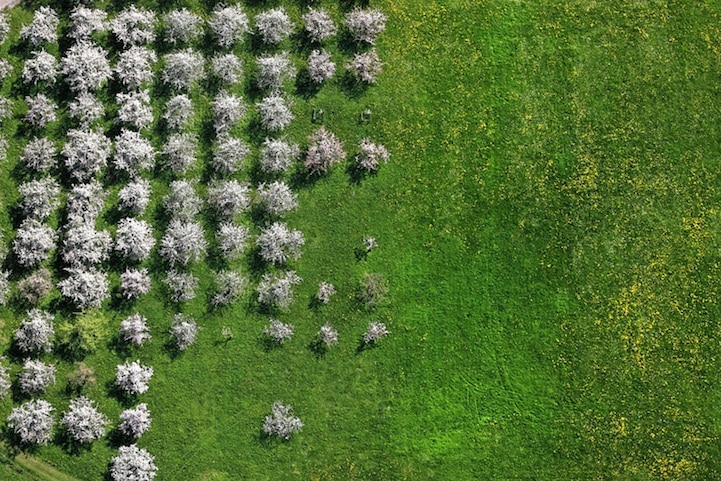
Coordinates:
[550,227]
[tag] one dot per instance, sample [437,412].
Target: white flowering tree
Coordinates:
[328,335]
[281,422]
[277,155]
[229,155]
[86,153]
[134,239]
[229,25]
[278,332]
[183,242]
[325,291]
[134,26]
[182,26]
[366,66]
[83,422]
[40,154]
[41,67]
[39,198]
[277,290]
[43,27]
[134,108]
[320,66]
[86,108]
[86,288]
[5,383]
[375,332]
[228,109]
[179,152]
[227,67]
[274,71]
[182,201]
[182,285]
[85,246]
[365,24]
[33,243]
[85,67]
[135,66]
[278,244]
[133,153]
[232,240]
[84,22]
[135,422]
[324,150]
[4,27]
[32,422]
[229,285]
[134,329]
[229,197]
[36,376]
[273,25]
[134,283]
[178,111]
[134,197]
[318,25]
[277,198]
[370,155]
[183,68]
[35,333]
[85,202]
[133,464]
[132,377]
[184,330]
[275,114]
[41,110]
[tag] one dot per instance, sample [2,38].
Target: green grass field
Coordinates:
[550,226]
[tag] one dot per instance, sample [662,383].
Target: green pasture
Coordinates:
[550,227]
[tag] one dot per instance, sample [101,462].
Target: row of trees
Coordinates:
[228,24]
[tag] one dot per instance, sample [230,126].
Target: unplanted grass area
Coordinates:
[549,226]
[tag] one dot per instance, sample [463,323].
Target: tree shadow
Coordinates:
[318,348]
[120,347]
[116,438]
[357,174]
[306,87]
[351,86]
[302,178]
[170,348]
[67,443]
[125,398]
[364,346]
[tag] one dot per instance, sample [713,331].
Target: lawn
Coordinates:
[549,227]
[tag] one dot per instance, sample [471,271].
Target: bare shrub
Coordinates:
[373,290]
[81,377]
[35,286]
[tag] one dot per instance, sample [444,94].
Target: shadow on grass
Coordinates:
[351,86]
[305,87]
[318,348]
[125,398]
[65,440]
